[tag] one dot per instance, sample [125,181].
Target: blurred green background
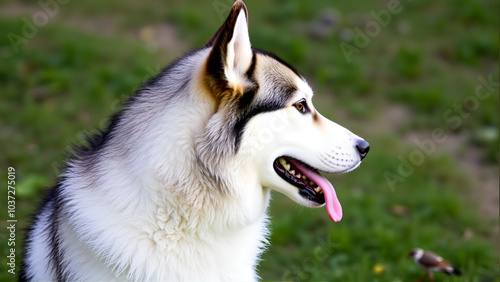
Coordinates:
[417,79]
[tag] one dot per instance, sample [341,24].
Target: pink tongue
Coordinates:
[332,202]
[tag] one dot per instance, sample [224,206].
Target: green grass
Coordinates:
[66,81]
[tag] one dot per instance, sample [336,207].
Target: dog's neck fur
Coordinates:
[182,203]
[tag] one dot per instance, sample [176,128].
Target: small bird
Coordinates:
[431,262]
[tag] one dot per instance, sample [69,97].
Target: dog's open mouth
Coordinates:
[288,170]
[311,184]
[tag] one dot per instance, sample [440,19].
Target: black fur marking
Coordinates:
[247,97]
[23,276]
[258,108]
[51,197]
[54,240]
[251,69]
[287,91]
[249,94]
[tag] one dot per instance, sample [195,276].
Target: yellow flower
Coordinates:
[378,268]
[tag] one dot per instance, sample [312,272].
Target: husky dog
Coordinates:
[178,185]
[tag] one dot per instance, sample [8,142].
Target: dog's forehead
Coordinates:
[303,88]
[276,76]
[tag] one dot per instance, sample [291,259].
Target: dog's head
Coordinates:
[265,117]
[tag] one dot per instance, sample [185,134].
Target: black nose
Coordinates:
[363,148]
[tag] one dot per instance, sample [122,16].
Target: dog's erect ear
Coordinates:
[231,53]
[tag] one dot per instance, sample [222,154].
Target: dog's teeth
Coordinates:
[292,172]
[304,177]
[311,183]
[298,175]
[287,167]
[317,189]
[282,162]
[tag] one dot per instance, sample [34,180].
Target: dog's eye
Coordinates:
[301,106]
